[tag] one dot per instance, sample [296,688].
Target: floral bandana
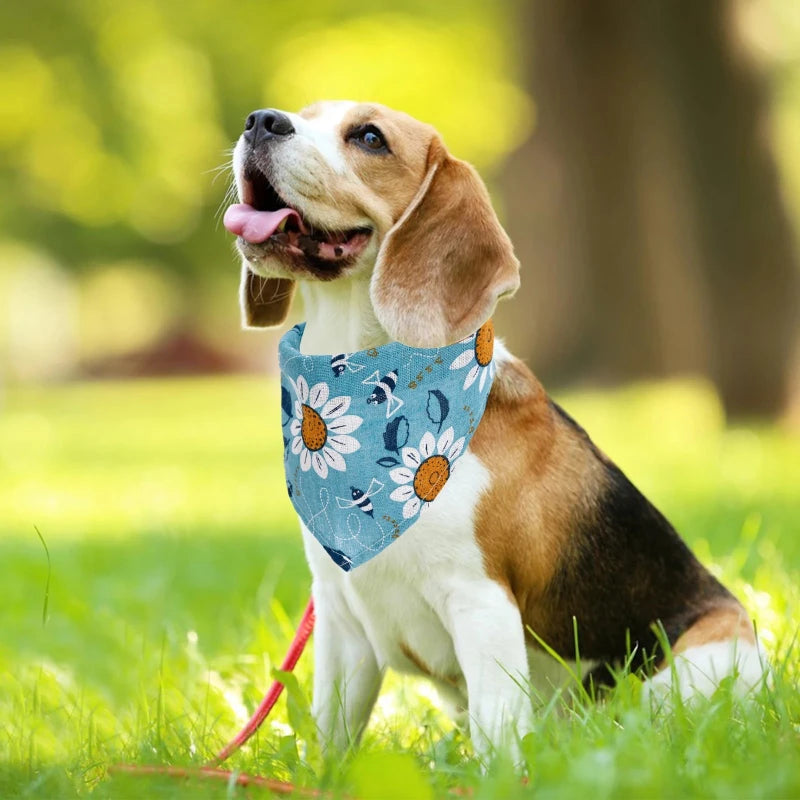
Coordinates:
[371,438]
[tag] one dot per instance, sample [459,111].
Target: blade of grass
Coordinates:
[46,602]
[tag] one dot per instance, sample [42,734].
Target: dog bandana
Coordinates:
[371,438]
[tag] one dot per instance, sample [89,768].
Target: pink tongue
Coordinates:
[255,226]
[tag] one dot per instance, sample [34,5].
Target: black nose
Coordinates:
[267,123]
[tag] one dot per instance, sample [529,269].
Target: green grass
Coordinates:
[178,575]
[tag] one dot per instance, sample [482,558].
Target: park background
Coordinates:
[645,159]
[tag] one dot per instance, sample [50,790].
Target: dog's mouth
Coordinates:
[264,218]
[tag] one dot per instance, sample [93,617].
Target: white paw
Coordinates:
[699,671]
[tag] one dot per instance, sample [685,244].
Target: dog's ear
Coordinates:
[445,263]
[265,301]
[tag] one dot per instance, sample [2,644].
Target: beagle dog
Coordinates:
[538,537]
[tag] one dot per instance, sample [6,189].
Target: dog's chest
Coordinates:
[400,597]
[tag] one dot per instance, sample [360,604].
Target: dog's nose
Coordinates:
[267,123]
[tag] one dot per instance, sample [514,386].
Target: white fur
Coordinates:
[699,670]
[339,316]
[238,167]
[323,132]
[430,592]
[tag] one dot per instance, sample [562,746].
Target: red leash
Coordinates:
[211,769]
[221,775]
[271,697]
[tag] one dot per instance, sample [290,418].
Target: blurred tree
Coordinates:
[646,207]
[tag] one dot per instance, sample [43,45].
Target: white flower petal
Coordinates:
[402,493]
[402,475]
[298,409]
[295,427]
[344,444]
[334,459]
[318,395]
[302,389]
[445,440]
[305,460]
[411,508]
[427,445]
[335,407]
[471,375]
[297,445]
[457,448]
[463,359]
[411,457]
[482,381]
[320,467]
[345,424]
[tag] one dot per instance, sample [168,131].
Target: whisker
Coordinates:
[276,295]
[229,196]
[226,164]
[221,168]
[217,174]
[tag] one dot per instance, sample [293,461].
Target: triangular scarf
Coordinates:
[371,438]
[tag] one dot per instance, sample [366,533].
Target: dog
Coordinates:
[538,536]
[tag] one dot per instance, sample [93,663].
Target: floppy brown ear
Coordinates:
[447,260]
[265,301]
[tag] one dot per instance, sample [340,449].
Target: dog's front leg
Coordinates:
[489,642]
[347,676]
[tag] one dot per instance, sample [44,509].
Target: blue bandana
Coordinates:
[371,438]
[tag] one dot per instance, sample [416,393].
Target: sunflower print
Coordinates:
[478,356]
[425,471]
[358,478]
[321,428]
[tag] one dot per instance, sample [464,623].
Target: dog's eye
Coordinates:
[369,138]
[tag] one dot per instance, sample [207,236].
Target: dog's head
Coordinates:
[344,188]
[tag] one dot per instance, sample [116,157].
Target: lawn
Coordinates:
[177,575]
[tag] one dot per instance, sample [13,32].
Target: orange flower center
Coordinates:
[432,475]
[484,343]
[313,429]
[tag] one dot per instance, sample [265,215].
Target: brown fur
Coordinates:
[727,622]
[543,478]
[568,536]
[441,270]
[379,187]
[265,301]
[384,187]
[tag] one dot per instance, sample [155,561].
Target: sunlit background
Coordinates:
[646,167]
[116,119]
[645,159]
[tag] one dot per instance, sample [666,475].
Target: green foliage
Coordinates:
[388,776]
[116,114]
[178,577]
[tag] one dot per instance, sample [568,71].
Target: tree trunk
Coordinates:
[646,209]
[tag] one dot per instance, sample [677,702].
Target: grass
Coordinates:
[175,577]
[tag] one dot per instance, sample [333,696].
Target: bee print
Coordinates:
[384,391]
[361,499]
[341,362]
